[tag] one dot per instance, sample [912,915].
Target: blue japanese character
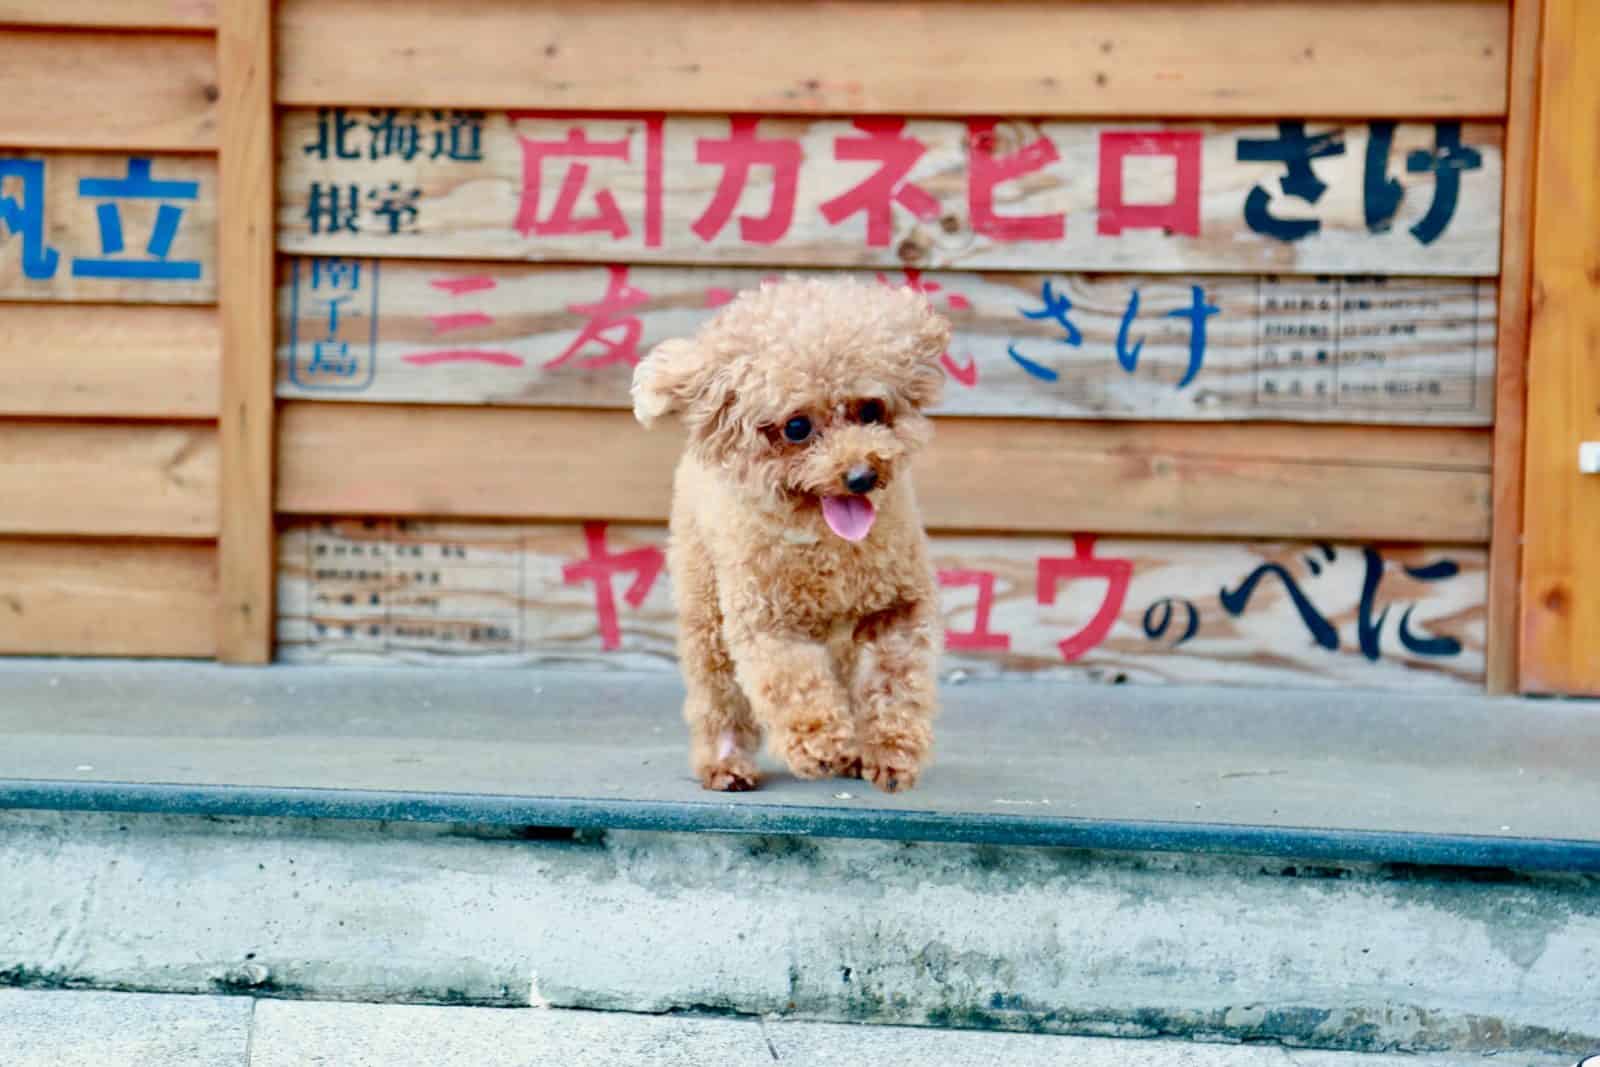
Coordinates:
[1055,308]
[1129,358]
[1197,313]
[138,185]
[24,217]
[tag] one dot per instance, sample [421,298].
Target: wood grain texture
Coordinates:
[107,598]
[1560,569]
[109,361]
[1511,376]
[1402,351]
[108,479]
[244,45]
[85,89]
[1331,57]
[122,14]
[980,474]
[58,249]
[1177,611]
[1001,194]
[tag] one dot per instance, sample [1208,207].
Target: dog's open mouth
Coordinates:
[850,516]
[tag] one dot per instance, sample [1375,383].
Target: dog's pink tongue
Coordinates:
[848,516]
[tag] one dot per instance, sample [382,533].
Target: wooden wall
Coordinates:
[1238,312]
[1225,346]
[109,337]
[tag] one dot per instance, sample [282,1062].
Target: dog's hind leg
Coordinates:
[723,735]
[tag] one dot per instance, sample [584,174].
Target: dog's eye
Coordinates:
[871,411]
[797,429]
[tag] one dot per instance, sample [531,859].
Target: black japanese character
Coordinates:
[333,208]
[394,135]
[1296,151]
[1322,631]
[397,206]
[458,137]
[1369,631]
[333,129]
[1158,619]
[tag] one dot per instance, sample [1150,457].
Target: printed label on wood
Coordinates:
[1290,197]
[1101,609]
[108,228]
[1333,349]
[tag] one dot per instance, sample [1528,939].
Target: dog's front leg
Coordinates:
[895,692]
[797,698]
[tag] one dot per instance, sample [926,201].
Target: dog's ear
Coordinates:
[666,380]
[932,341]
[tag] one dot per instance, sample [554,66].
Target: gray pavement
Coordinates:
[1333,774]
[95,1029]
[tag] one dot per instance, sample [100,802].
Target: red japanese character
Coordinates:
[449,322]
[736,154]
[966,375]
[644,563]
[1182,215]
[605,319]
[1083,564]
[985,172]
[563,218]
[980,637]
[886,143]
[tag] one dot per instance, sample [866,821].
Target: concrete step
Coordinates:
[141,1030]
[1318,870]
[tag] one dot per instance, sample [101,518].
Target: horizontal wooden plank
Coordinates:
[1012,194]
[108,228]
[108,479]
[123,14]
[980,474]
[1108,57]
[1191,611]
[107,598]
[87,89]
[1403,351]
[105,360]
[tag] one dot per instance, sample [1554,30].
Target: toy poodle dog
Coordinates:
[807,605]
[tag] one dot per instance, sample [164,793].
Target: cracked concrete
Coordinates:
[96,1029]
[1037,940]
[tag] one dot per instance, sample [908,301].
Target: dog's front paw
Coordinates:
[824,747]
[737,774]
[891,768]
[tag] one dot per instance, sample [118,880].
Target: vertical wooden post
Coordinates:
[246,278]
[1561,550]
[1511,366]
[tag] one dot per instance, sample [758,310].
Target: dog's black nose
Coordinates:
[860,479]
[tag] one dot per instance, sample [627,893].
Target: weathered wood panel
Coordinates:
[1511,367]
[1107,610]
[107,598]
[1109,57]
[124,14]
[244,43]
[149,362]
[107,228]
[1291,197]
[1070,346]
[1560,564]
[83,89]
[1223,480]
[108,479]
